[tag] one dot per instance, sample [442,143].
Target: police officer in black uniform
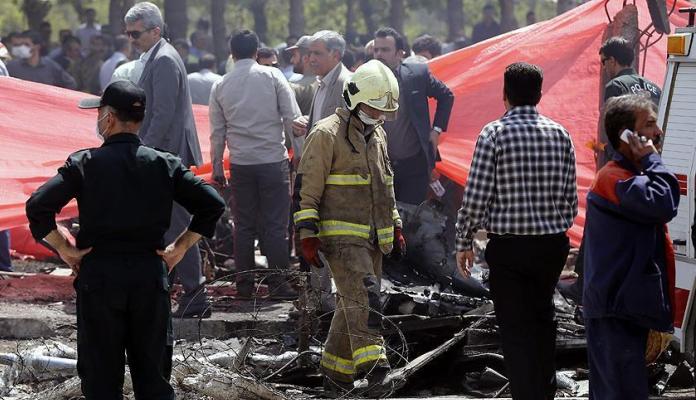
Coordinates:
[617,57]
[124,192]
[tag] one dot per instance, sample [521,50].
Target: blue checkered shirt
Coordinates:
[522,179]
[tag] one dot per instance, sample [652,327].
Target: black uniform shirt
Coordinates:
[124,193]
[629,82]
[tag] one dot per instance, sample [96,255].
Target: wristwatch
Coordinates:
[437,129]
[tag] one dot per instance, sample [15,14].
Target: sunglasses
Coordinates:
[136,34]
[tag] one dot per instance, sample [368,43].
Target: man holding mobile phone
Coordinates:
[629,261]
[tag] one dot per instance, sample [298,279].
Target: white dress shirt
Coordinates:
[200,84]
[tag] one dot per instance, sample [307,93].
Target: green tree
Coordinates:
[564,5]
[455,19]
[36,11]
[176,17]
[258,10]
[118,10]
[368,11]
[445,19]
[350,32]
[296,25]
[12,18]
[217,18]
[396,15]
[507,15]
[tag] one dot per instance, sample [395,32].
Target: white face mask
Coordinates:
[22,52]
[367,120]
[100,135]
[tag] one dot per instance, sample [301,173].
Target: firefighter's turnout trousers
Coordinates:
[354,346]
[347,201]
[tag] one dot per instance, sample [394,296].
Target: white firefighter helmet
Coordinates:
[374,84]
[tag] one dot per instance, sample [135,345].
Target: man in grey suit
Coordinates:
[169,125]
[326,49]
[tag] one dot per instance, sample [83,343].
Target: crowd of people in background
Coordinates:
[305,94]
[85,58]
[89,58]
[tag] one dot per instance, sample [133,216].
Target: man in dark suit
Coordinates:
[169,125]
[411,138]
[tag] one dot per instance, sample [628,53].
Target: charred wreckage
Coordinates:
[439,329]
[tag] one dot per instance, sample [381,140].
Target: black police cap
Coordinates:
[121,95]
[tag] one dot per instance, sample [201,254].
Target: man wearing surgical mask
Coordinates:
[28,64]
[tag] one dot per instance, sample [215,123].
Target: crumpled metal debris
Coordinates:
[440,332]
[427,250]
[50,360]
[217,383]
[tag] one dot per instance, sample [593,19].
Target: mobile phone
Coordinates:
[625,134]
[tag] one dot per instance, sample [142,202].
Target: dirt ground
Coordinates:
[49,300]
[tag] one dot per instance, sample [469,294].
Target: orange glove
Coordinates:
[310,251]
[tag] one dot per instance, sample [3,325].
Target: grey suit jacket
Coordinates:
[169,123]
[334,96]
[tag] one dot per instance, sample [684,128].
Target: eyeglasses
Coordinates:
[136,34]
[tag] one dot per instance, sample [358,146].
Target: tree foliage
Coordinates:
[419,16]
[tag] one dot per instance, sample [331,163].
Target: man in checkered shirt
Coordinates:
[521,189]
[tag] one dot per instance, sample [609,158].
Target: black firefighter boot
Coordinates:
[378,383]
[335,389]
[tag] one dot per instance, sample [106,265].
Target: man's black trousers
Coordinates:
[123,307]
[524,271]
[411,179]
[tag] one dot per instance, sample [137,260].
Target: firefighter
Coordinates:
[348,220]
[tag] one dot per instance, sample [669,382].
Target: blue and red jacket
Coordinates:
[629,260]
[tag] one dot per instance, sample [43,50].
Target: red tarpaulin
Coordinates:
[41,125]
[566,48]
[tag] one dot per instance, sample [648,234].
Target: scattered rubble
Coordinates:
[440,331]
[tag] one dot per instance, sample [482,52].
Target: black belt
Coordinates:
[513,236]
[119,249]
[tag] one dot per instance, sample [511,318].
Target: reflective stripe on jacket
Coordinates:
[347,183]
